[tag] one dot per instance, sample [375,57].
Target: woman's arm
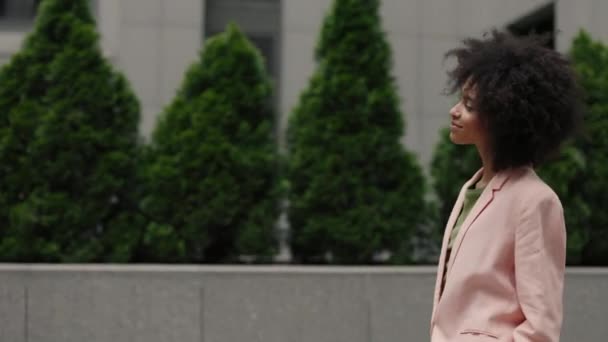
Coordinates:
[540,257]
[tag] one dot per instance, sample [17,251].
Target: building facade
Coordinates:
[154,41]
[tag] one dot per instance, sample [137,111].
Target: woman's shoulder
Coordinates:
[530,188]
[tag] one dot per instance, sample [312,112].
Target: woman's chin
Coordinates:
[454,138]
[458,140]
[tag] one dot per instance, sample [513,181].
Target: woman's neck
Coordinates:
[488,167]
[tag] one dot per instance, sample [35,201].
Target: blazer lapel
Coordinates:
[482,203]
[446,237]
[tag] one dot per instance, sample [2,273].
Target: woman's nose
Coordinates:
[454,112]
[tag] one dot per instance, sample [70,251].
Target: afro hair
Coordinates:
[527,95]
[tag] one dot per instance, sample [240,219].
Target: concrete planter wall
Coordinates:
[76,303]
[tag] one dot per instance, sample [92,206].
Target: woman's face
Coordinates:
[466,127]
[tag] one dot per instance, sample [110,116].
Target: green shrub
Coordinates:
[68,145]
[354,190]
[211,170]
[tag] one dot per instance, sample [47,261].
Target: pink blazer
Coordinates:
[506,270]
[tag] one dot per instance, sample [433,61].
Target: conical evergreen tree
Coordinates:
[354,190]
[212,164]
[68,143]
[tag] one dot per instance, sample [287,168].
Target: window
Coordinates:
[20,14]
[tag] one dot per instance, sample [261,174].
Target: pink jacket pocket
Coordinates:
[479,333]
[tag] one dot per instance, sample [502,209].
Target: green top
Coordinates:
[470,197]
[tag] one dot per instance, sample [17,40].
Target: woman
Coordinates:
[501,269]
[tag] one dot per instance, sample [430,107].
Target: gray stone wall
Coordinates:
[93,303]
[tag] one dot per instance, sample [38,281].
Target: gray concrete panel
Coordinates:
[75,307]
[13,308]
[304,16]
[140,60]
[586,306]
[141,12]
[322,308]
[437,18]
[180,48]
[400,17]
[182,13]
[400,310]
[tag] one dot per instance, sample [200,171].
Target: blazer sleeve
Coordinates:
[540,262]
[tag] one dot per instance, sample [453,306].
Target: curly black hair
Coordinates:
[527,95]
